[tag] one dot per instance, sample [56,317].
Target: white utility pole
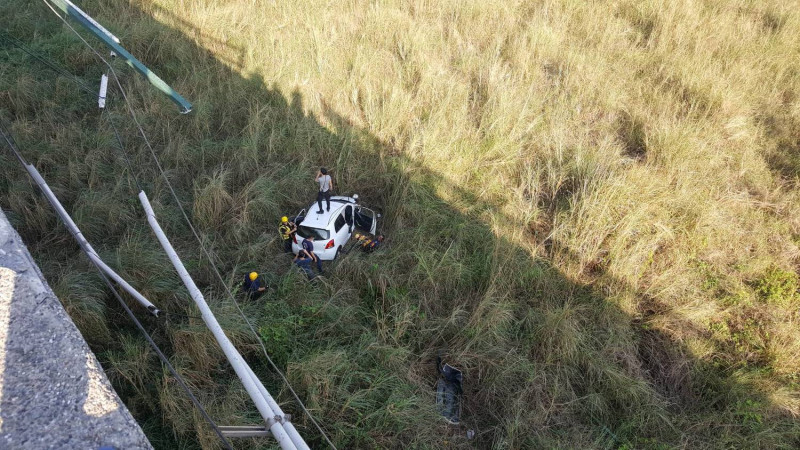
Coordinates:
[76,233]
[283,431]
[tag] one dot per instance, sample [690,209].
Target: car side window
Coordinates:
[339,223]
[348,215]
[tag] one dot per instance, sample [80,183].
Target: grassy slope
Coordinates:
[589,206]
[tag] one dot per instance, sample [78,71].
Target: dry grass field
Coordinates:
[591,209]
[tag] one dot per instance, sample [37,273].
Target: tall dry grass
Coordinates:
[590,210]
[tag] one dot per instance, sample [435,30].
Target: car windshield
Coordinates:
[307,232]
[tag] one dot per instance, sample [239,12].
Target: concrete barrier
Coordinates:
[53,392]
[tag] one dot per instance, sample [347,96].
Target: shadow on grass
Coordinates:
[785,131]
[549,361]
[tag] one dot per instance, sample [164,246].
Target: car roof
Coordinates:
[322,221]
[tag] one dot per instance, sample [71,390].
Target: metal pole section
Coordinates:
[93,22]
[237,362]
[76,233]
[103,34]
[287,424]
[101,98]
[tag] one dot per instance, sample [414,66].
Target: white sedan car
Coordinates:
[332,229]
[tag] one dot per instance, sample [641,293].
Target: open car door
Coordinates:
[299,217]
[367,220]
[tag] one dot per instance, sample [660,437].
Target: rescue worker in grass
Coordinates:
[303,261]
[287,229]
[252,286]
[308,248]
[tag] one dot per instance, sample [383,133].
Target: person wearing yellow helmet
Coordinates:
[252,286]
[287,229]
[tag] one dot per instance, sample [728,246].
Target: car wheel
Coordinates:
[338,252]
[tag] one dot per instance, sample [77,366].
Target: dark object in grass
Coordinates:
[449,392]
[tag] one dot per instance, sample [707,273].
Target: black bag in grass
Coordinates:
[448,392]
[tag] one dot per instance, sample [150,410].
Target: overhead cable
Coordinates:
[166,362]
[101,33]
[275,415]
[162,357]
[194,231]
[60,70]
[283,431]
[73,228]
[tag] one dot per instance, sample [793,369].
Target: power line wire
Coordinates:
[169,313]
[191,226]
[60,70]
[10,142]
[19,44]
[162,357]
[121,145]
[21,158]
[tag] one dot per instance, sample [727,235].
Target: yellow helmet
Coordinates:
[284,219]
[253,276]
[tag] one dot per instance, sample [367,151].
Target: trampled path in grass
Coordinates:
[589,210]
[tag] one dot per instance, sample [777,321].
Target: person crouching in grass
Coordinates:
[308,246]
[303,261]
[252,286]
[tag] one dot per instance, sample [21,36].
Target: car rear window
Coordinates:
[307,232]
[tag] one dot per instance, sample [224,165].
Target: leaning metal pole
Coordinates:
[287,424]
[76,233]
[272,418]
[110,40]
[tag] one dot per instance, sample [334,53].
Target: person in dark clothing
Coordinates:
[325,188]
[308,247]
[303,261]
[287,229]
[252,286]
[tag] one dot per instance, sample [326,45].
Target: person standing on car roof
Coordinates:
[308,248]
[286,229]
[325,188]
